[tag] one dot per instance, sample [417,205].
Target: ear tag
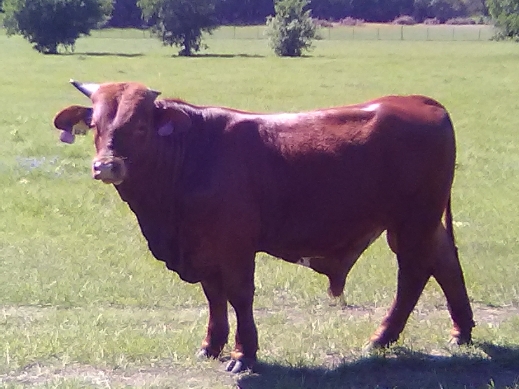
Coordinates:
[67,137]
[166,129]
[80,128]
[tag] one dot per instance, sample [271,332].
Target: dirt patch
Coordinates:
[166,376]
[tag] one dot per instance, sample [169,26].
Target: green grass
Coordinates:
[84,304]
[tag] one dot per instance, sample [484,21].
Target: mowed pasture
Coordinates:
[84,304]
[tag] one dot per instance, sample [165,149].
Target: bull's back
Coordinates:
[332,176]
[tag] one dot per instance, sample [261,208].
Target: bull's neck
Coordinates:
[155,176]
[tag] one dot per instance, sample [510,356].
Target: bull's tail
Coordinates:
[449,224]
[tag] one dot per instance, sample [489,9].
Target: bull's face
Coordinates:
[124,118]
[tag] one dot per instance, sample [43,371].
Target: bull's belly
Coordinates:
[298,243]
[334,262]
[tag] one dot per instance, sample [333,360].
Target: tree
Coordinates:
[441,9]
[476,7]
[243,11]
[291,30]
[380,10]
[49,24]
[180,22]
[126,13]
[505,14]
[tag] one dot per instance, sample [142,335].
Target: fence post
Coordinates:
[378,33]
[234,32]
[353,34]
[479,34]
[453,30]
[329,33]
[402,33]
[427,34]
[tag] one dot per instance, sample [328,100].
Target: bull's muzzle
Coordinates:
[110,171]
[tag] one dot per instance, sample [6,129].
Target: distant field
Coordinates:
[84,305]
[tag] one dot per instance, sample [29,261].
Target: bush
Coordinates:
[405,20]
[322,23]
[431,21]
[505,15]
[49,24]
[349,21]
[181,22]
[460,21]
[291,30]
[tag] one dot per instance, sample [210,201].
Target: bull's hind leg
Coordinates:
[218,326]
[414,271]
[447,271]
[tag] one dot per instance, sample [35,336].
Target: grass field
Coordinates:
[84,305]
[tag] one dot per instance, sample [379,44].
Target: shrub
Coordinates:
[460,21]
[431,21]
[49,24]
[405,20]
[322,23]
[349,21]
[291,30]
[181,22]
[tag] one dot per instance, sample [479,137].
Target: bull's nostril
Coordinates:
[97,165]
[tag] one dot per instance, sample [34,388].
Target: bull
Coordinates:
[212,186]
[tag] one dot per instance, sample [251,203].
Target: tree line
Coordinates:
[127,13]
[51,24]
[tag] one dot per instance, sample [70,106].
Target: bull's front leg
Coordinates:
[239,283]
[218,326]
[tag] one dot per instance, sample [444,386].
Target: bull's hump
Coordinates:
[371,107]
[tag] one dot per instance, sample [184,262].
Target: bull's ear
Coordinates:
[171,119]
[72,121]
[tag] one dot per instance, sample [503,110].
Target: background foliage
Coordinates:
[291,30]
[49,24]
[180,22]
[506,16]
[256,11]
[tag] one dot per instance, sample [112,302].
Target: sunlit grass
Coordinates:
[78,285]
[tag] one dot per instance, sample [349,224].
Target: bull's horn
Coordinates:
[154,93]
[86,89]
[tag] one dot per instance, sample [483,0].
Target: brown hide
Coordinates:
[211,186]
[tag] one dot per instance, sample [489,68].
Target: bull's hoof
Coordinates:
[371,348]
[202,354]
[205,353]
[460,340]
[239,365]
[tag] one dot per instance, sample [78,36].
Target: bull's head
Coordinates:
[125,118]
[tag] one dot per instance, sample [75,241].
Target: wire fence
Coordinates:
[364,32]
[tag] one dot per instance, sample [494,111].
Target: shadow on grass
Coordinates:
[106,54]
[223,56]
[401,369]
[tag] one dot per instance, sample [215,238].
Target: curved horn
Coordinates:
[86,89]
[153,93]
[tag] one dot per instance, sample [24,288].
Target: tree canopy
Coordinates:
[236,12]
[180,22]
[126,13]
[49,24]
[505,14]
